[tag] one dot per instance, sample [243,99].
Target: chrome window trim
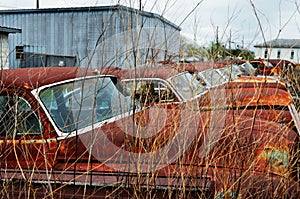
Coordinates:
[63,135]
[167,84]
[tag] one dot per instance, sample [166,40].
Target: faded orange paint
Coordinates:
[250,158]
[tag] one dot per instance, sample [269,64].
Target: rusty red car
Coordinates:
[70,132]
[240,108]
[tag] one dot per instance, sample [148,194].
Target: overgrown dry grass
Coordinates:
[222,151]
[253,155]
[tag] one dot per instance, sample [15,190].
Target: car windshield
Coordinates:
[187,85]
[212,77]
[231,72]
[268,64]
[248,69]
[81,103]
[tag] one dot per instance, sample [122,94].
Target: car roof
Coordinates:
[32,78]
[162,72]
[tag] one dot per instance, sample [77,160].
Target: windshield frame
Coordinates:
[195,83]
[60,133]
[159,80]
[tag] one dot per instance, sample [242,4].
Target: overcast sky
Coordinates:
[235,20]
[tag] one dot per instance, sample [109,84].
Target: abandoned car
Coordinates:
[76,132]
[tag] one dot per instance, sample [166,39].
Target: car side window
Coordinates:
[164,93]
[257,65]
[17,118]
[149,92]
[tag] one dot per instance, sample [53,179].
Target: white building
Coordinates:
[4,52]
[288,49]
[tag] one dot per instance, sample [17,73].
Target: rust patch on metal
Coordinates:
[276,158]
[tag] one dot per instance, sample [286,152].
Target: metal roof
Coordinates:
[9,30]
[280,43]
[89,9]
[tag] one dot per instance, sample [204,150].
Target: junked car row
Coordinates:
[245,102]
[147,132]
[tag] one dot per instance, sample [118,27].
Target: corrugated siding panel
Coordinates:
[77,33]
[4,63]
[14,39]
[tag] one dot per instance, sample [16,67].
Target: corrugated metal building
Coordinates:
[89,36]
[4,50]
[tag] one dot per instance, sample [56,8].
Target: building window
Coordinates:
[19,52]
[266,53]
[292,54]
[278,54]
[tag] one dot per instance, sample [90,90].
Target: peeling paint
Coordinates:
[276,158]
[229,194]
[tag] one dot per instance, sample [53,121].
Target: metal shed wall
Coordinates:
[3,50]
[97,36]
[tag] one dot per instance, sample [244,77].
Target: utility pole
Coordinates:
[243,42]
[140,5]
[217,36]
[217,45]
[230,40]
[37,4]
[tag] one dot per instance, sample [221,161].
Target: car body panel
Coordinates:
[212,147]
